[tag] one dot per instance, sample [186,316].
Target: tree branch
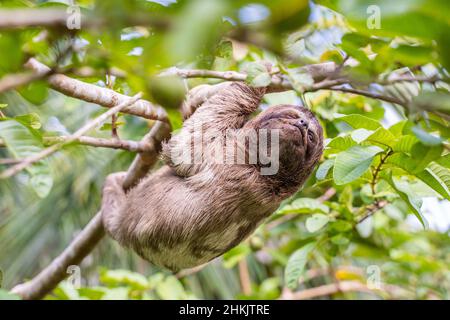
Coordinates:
[133,146]
[89,237]
[11,81]
[368,94]
[326,290]
[326,76]
[244,277]
[24,18]
[57,18]
[80,132]
[101,96]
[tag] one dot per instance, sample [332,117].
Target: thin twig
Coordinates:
[327,290]
[383,159]
[371,209]
[367,94]
[80,132]
[244,277]
[9,161]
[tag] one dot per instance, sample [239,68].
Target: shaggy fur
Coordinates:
[184,215]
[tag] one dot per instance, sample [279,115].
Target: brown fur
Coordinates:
[184,215]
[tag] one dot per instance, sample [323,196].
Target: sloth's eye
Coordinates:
[310,136]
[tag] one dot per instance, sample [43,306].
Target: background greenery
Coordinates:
[360,215]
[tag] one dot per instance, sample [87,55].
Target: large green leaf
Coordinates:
[296,265]
[316,222]
[382,136]
[405,143]
[436,181]
[352,163]
[358,121]
[340,143]
[406,194]
[423,155]
[22,143]
[323,169]
[442,172]
[435,176]
[236,254]
[444,161]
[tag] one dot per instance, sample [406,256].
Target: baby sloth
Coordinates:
[189,212]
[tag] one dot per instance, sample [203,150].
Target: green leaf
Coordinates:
[316,222]
[341,225]
[426,138]
[296,265]
[236,254]
[197,29]
[92,293]
[406,194]
[22,143]
[30,120]
[304,205]
[176,118]
[405,143]
[340,143]
[257,74]
[441,174]
[340,239]
[12,54]
[323,169]
[382,136]
[415,18]
[359,135]
[3,105]
[358,121]
[434,176]
[114,278]
[432,101]
[108,126]
[5,295]
[352,163]
[171,289]
[36,92]
[436,181]
[397,128]
[423,155]
[444,161]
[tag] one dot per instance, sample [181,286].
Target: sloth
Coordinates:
[187,213]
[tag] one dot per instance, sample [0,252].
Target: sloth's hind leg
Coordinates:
[113,197]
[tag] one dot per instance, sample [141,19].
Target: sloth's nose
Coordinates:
[303,123]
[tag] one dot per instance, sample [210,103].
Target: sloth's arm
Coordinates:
[217,108]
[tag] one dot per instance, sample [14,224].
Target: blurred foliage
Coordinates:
[381,160]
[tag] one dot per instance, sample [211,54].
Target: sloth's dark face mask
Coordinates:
[300,138]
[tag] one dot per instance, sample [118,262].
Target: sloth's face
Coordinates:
[300,138]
